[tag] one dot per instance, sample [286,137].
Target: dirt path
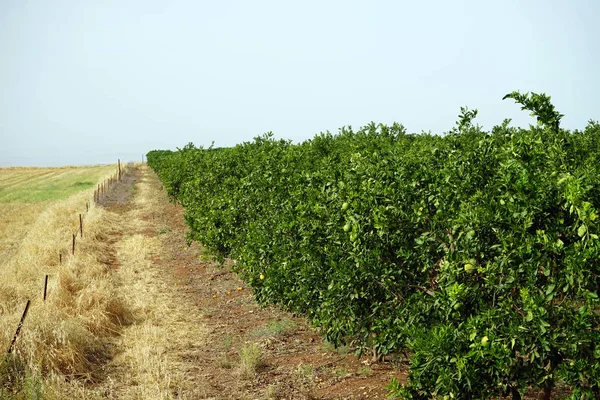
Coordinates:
[198,333]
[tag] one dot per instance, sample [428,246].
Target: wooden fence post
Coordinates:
[19,327]
[80,226]
[45,287]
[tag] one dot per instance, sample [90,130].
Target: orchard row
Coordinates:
[475,253]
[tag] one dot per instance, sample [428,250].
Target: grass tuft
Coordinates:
[251,360]
[273,392]
[276,329]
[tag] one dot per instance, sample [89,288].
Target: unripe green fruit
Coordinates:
[347,228]
[469,268]
[345,206]
[485,341]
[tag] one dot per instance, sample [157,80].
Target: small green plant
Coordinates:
[273,392]
[227,342]
[276,329]
[305,370]
[251,359]
[17,381]
[164,229]
[224,362]
[397,391]
[330,347]
[341,372]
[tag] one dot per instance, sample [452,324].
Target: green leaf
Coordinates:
[529,316]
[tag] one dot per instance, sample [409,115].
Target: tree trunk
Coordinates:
[516,395]
[547,392]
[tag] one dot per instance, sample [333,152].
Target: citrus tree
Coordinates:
[475,252]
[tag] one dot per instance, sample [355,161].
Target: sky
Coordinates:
[89,82]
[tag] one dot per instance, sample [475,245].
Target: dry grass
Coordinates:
[273,392]
[26,192]
[149,365]
[112,325]
[142,369]
[15,221]
[63,336]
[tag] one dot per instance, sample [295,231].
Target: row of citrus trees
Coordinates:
[476,253]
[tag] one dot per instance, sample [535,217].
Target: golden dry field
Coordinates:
[39,213]
[26,192]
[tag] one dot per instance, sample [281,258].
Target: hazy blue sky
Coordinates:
[85,82]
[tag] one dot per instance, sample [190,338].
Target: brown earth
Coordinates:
[220,317]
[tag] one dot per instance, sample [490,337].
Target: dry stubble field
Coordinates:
[26,192]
